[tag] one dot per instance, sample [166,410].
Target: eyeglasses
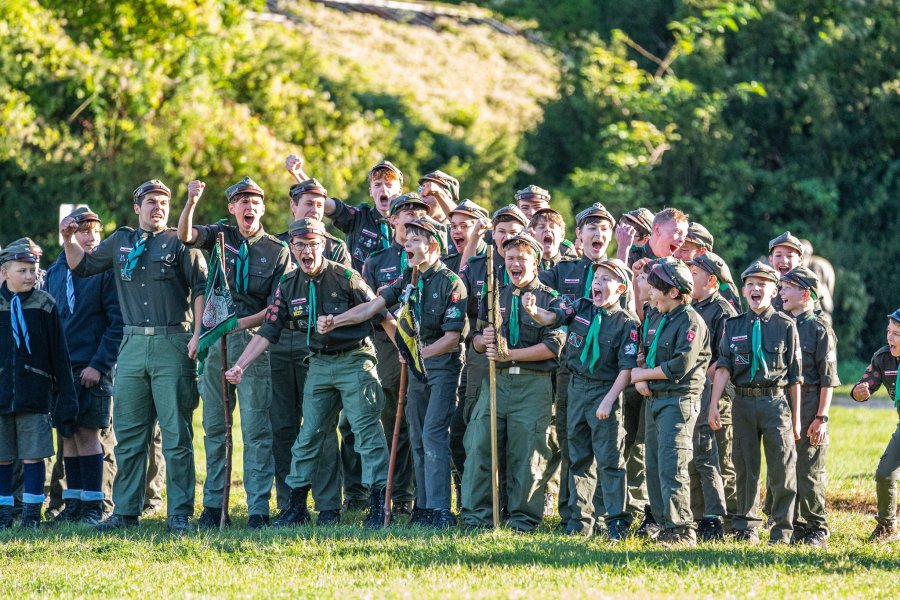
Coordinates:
[301,246]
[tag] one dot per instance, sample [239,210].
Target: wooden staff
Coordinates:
[226,402]
[493,309]
[398,421]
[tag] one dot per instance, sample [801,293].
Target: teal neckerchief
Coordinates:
[896,395]
[420,286]
[134,255]
[404,261]
[312,318]
[385,235]
[651,353]
[758,356]
[591,350]
[242,269]
[587,283]
[514,320]
[19,327]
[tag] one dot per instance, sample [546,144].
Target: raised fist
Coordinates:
[195,190]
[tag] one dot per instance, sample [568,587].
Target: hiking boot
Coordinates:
[618,530]
[329,517]
[354,504]
[749,536]
[257,521]
[71,513]
[211,517]
[401,508]
[6,517]
[115,521]
[421,516]
[31,515]
[296,513]
[649,529]
[375,517]
[443,518]
[92,511]
[884,533]
[673,537]
[798,534]
[816,538]
[711,530]
[180,525]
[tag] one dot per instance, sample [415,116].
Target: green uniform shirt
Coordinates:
[364,228]
[335,249]
[882,369]
[780,344]
[636,253]
[452,259]
[715,310]
[819,350]
[268,258]
[618,340]
[168,277]
[682,351]
[337,289]
[474,276]
[531,332]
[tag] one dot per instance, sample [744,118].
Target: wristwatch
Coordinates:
[823,418]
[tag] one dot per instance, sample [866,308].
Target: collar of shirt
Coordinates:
[764,317]
[430,271]
[254,238]
[805,316]
[704,303]
[7,294]
[677,311]
[530,286]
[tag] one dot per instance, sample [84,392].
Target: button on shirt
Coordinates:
[618,340]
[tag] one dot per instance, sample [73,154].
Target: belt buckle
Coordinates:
[514,370]
[149,331]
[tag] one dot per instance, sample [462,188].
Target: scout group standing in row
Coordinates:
[638,381]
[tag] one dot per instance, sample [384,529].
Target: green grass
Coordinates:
[147,562]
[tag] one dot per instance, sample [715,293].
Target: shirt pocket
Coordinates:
[740,354]
[261,277]
[334,306]
[774,353]
[163,265]
[432,317]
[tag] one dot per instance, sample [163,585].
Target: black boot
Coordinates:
[421,516]
[92,511]
[31,516]
[296,513]
[71,513]
[375,518]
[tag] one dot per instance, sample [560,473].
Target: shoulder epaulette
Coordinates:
[348,273]
[568,244]
[222,222]
[125,228]
[553,292]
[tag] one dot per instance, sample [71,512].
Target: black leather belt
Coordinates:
[163,330]
[757,392]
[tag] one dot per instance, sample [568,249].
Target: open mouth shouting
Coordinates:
[459,240]
[307,263]
[516,274]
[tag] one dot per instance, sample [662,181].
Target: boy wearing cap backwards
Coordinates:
[760,353]
[365,227]
[817,341]
[523,395]
[92,320]
[341,372]
[633,231]
[882,369]
[467,227]
[159,281]
[601,350]
[254,264]
[37,391]
[713,494]
[676,354]
[443,326]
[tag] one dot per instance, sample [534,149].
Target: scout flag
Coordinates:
[408,341]
[218,309]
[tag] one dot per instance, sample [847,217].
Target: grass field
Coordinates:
[409,562]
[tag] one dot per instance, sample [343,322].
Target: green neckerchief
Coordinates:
[242,269]
[758,356]
[651,353]
[420,287]
[385,235]
[404,261]
[896,395]
[134,255]
[312,318]
[591,350]
[514,320]
[587,283]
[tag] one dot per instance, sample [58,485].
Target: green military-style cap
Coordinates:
[244,186]
[714,265]
[307,226]
[641,219]
[17,252]
[310,186]
[533,192]
[30,243]
[700,235]
[895,316]
[594,211]
[619,268]
[510,212]
[412,198]
[760,269]
[448,182]
[431,227]
[675,273]
[386,165]
[83,214]
[786,239]
[154,186]
[805,278]
[470,209]
[527,239]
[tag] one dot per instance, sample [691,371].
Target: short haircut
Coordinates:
[667,215]
[383,173]
[547,216]
[89,226]
[507,218]
[242,195]
[518,243]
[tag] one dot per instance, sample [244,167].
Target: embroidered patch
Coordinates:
[742,359]
[575,340]
[124,249]
[630,349]
[651,332]
[739,338]
[453,312]
[369,233]
[454,297]
[583,320]
[298,301]
[231,249]
[691,334]
[572,280]
[890,373]
[634,336]
[387,270]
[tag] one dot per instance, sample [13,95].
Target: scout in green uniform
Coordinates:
[506,222]
[531,199]
[37,391]
[159,281]
[467,227]
[383,268]
[548,227]
[667,234]
[440,192]
[601,350]
[288,369]
[443,326]
[676,351]
[254,263]
[633,231]
[760,352]
[365,227]
[799,289]
[882,370]
[523,396]
[785,254]
[341,368]
[713,494]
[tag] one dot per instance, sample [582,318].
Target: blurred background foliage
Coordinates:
[754,117]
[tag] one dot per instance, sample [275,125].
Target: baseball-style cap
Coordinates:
[786,239]
[512,211]
[595,210]
[244,186]
[700,235]
[397,202]
[761,269]
[675,273]
[805,278]
[306,226]
[154,186]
